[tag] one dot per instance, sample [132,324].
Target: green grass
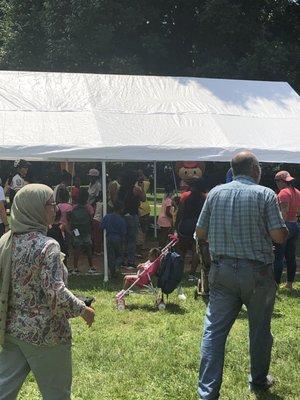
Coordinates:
[145,354]
[159,199]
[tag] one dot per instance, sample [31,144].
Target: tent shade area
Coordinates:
[84,117]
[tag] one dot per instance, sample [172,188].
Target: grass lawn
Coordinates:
[144,354]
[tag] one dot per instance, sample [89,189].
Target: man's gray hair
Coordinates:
[243,163]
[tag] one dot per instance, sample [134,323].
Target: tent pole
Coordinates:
[72,175]
[155,202]
[104,192]
[174,179]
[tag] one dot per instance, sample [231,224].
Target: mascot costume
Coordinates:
[188,170]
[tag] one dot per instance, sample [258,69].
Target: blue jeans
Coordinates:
[234,282]
[132,224]
[287,251]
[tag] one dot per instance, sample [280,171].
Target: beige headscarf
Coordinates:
[27,215]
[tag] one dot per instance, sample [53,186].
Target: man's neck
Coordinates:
[249,178]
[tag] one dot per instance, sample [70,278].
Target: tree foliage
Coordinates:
[257,39]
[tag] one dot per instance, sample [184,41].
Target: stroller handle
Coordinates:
[174,239]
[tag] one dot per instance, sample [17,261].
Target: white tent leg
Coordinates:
[174,180]
[72,174]
[104,213]
[155,202]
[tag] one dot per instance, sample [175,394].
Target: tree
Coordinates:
[23,39]
[257,39]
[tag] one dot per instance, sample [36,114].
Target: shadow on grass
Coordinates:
[203,299]
[94,283]
[171,308]
[277,314]
[295,293]
[267,396]
[187,284]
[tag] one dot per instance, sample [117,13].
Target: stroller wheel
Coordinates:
[121,305]
[160,305]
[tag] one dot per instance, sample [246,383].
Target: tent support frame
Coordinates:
[155,200]
[104,197]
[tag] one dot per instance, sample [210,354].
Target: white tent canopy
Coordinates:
[80,117]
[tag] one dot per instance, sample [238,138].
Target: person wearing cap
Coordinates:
[289,202]
[95,186]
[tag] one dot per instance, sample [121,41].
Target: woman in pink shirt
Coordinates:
[289,202]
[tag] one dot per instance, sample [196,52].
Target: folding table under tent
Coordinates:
[85,117]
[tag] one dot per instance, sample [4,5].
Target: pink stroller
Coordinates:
[143,277]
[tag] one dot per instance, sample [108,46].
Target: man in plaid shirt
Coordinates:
[240,219]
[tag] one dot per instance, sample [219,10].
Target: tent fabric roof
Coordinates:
[80,117]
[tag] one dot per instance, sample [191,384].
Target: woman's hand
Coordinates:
[88,315]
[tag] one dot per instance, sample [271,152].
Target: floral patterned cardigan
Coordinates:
[39,303]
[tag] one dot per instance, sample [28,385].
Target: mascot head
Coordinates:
[187,170]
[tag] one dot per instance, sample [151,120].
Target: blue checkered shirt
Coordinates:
[238,217]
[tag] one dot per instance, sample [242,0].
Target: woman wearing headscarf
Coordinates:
[35,304]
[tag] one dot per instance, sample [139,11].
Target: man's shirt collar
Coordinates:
[245,179]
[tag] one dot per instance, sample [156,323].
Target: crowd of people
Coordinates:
[241,220]
[79,222]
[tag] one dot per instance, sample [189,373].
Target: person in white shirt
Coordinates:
[13,185]
[94,186]
[19,179]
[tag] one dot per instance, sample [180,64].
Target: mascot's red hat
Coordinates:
[190,165]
